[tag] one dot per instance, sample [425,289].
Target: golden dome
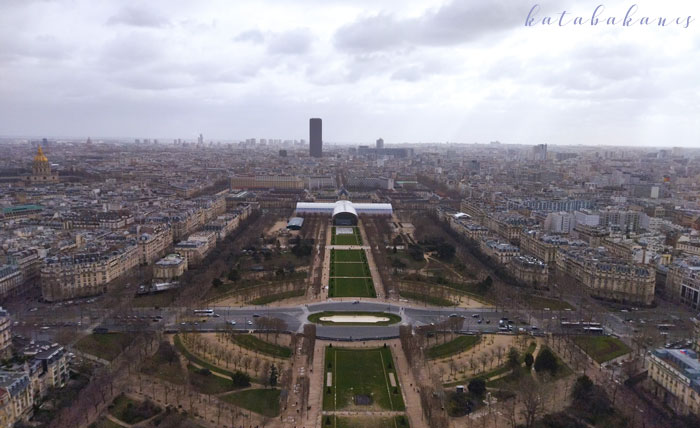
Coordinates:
[40,156]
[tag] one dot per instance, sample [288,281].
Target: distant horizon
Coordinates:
[169,141]
[410,71]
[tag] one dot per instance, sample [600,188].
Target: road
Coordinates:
[46,320]
[248,318]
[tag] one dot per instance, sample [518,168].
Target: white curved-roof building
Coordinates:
[344,212]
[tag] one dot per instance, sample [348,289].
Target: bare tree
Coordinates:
[532,400]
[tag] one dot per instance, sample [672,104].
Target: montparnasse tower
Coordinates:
[41,169]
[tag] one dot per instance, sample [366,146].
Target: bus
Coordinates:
[590,324]
[205,312]
[593,330]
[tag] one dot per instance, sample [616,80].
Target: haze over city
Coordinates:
[411,71]
[349,214]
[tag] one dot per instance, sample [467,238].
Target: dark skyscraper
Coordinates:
[315,138]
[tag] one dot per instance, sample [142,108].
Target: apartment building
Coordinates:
[193,251]
[86,274]
[499,251]
[559,222]
[154,244]
[47,367]
[29,263]
[11,279]
[591,235]
[683,282]
[467,228]
[320,182]
[17,387]
[624,220]
[529,270]
[5,333]
[475,210]
[170,267]
[223,225]
[691,248]
[267,182]
[364,182]
[507,225]
[607,277]
[542,246]
[674,378]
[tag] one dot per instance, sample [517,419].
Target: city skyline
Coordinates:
[349,214]
[411,72]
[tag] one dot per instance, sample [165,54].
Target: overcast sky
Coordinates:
[408,71]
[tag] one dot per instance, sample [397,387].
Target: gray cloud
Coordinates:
[253,36]
[454,23]
[260,68]
[135,49]
[40,47]
[293,42]
[138,18]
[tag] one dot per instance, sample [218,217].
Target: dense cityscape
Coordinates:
[349,214]
[260,282]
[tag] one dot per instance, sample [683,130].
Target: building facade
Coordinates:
[315,137]
[674,378]
[87,274]
[608,278]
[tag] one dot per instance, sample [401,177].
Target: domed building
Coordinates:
[41,169]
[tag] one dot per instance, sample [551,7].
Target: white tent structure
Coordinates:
[343,212]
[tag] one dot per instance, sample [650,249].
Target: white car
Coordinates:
[250,322]
[232,322]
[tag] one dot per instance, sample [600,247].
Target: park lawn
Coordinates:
[360,372]
[346,240]
[508,381]
[106,346]
[483,375]
[265,402]
[602,348]
[347,255]
[453,347]
[365,422]
[431,300]
[132,411]
[530,349]
[106,423]
[255,344]
[156,300]
[393,318]
[350,270]
[276,297]
[539,302]
[209,383]
[351,287]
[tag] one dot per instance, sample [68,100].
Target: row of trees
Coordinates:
[229,357]
[474,249]
[105,382]
[378,236]
[195,283]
